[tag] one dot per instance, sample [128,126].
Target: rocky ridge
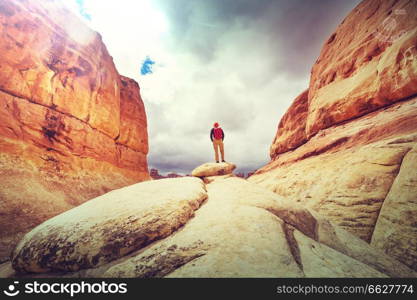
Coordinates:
[346,147]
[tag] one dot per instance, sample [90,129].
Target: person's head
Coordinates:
[216,125]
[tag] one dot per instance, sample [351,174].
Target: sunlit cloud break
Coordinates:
[147,66]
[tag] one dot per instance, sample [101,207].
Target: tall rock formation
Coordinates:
[348,149]
[71,128]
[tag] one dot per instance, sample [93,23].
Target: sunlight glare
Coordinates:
[146,19]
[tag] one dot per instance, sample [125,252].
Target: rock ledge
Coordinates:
[213,169]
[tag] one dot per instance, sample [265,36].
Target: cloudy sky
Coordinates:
[237,62]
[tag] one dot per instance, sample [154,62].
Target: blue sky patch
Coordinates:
[147,66]
[82,10]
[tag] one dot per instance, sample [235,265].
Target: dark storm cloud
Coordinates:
[302,27]
[197,25]
[294,30]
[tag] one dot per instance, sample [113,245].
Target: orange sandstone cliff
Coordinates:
[347,148]
[71,128]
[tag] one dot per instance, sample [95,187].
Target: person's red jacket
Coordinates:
[212,133]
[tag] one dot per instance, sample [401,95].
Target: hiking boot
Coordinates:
[217,161]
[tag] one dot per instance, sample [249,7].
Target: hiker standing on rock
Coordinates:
[217,137]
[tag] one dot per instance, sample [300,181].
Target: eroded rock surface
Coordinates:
[346,172]
[291,129]
[240,230]
[71,128]
[110,226]
[396,228]
[243,230]
[347,156]
[365,64]
[213,169]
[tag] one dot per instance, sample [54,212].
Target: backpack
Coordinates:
[218,133]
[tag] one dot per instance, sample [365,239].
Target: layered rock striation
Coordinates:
[347,149]
[71,128]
